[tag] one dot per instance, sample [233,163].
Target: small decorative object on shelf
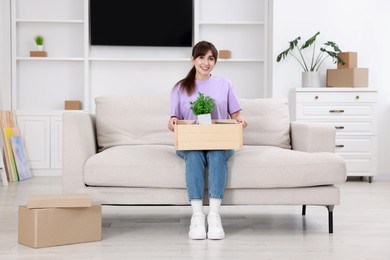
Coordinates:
[72,105]
[310,74]
[225,54]
[39,43]
[38,54]
[202,108]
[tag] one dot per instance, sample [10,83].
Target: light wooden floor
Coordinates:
[361,229]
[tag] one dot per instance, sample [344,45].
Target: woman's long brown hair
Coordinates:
[200,49]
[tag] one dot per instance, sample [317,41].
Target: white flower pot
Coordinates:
[204,119]
[311,79]
[40,47]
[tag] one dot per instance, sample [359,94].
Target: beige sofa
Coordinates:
[124,154]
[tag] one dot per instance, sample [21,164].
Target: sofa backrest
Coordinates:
[268,122]
[131,120]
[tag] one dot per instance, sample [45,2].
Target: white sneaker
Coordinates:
[198,226]
[215,227]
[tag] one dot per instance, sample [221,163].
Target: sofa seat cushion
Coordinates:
[158,166]
[136,166]
[273,167]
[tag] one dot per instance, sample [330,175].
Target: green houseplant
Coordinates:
[202,108]
[39,42]
[329,49]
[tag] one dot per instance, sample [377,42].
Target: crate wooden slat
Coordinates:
[221,135]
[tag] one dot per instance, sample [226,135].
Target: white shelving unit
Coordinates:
[74,70]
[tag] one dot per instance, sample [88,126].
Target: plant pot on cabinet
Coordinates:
[204,119]
[39,47]
[311,79]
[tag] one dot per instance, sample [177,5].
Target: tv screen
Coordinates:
[141,23]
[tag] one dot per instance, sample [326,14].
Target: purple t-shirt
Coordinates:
[220,89]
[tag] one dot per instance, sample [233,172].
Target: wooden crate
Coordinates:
[221,135]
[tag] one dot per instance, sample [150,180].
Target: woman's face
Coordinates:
[204,65]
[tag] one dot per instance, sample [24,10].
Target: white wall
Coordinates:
[5,56]
[355,25]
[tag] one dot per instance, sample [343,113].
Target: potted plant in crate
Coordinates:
[39,42]
[202,108]
[310,74]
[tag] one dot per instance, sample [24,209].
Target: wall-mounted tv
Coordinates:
[141,22]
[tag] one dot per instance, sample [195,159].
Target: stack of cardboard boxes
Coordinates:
[348,74]
[52,220]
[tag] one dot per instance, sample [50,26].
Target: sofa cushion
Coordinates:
[158,166]
[129,120]
[136,166]
[272,167]
[268,122]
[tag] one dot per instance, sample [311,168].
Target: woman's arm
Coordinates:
[239,118]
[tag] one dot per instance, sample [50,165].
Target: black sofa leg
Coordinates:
[330,218]
[303,210]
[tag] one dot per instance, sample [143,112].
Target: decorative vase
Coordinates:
[40,47]
[311,79]
[204,119]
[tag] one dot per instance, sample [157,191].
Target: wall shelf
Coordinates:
[48,21]
[49,59]
[231,23]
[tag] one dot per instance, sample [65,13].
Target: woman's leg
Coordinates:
[217,165]
[195,174]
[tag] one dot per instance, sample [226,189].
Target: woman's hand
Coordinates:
[240,119]
[172,122]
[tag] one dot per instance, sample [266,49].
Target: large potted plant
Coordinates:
[310,74]
[202,108]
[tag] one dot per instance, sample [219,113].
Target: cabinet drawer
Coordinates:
[361,145]
[360,166]
[309,111]
[357,128]
[336,97]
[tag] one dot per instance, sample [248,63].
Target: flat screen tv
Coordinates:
[141,22]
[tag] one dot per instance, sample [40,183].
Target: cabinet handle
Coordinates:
[357,97]
[339,127]
[316,97]
[339,145]
[336,111]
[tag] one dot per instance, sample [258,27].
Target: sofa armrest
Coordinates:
[79,144]
[313,137]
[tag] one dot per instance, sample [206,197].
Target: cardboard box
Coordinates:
[356,77]
[46,227]
[38,54]
[350,59]
[59,201]
[225,54]
[72,105]
[221,135]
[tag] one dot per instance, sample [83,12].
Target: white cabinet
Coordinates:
[42,136]
[352,111]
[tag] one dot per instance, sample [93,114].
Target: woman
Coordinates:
[199,79]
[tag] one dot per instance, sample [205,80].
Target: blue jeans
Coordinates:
[196,162]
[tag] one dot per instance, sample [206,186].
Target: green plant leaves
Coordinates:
[309,42]
[316,58]
[39,39]
[202,105]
